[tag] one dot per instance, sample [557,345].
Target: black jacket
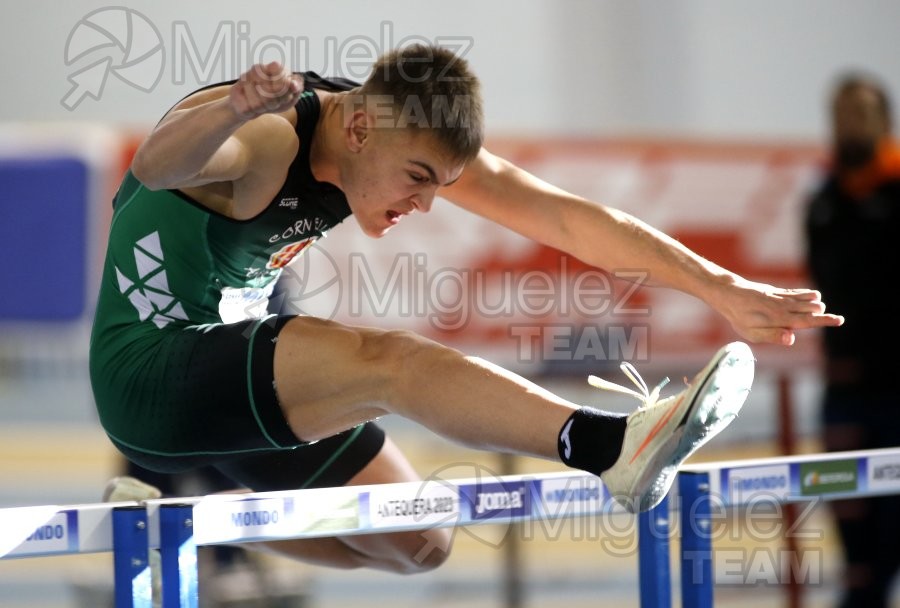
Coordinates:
[854,258]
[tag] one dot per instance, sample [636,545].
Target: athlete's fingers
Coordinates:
[804,302]
[800,294]
[285,91]
[269,84]
[255,102]
[274,80]
[785,335]
[283,101]
[770,335]
[271,69]
[805,306]
[266,84]
[295,86]
[265,88]
[239,102]
[806,321]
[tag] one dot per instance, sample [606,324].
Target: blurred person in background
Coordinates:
[853,231]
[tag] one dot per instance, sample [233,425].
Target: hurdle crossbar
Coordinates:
[57,530]
[396,507]
[705,488]
[120,527]
[178,526]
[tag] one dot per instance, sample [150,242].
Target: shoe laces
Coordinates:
[647,397]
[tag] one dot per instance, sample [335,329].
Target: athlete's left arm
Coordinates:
[611,239]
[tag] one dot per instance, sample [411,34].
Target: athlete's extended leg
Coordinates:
[330,377]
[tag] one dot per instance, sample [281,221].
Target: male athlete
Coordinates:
[183,378]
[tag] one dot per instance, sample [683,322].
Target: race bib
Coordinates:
[244,303]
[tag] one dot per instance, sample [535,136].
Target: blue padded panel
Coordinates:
[43,238]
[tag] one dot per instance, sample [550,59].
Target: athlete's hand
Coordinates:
[264,88]
[762,313]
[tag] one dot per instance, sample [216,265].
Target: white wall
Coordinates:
[692,67]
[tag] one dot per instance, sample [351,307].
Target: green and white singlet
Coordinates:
[182,344]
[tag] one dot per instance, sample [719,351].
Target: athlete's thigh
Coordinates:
[331,462]
[330,377]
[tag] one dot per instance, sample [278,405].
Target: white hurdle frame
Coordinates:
[733,484]
[177,526]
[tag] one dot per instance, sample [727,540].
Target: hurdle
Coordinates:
[707,489]
[119,527]
[178,526]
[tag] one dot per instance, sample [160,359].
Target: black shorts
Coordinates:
[206,397]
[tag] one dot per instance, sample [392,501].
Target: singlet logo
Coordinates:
[301,228]
[150,294]
[290,202]
[283,256]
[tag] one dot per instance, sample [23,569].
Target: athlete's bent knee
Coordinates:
[407,357]
[424,551]
[394,347]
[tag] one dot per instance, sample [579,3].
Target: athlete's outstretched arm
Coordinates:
[211,135]
[608,238]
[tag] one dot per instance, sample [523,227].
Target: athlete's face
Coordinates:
[392,173]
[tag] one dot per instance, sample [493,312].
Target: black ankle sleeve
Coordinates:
[591,439]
